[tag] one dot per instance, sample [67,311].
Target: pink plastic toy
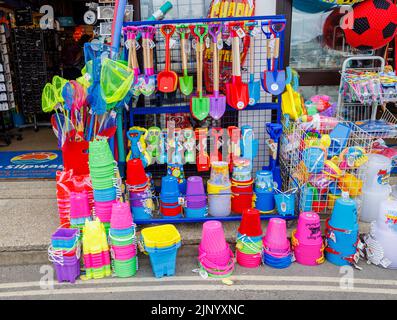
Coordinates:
[275,241]
[121,216]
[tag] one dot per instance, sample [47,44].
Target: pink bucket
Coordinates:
[121,217]
[309,255]
[220,258]
[216,269]
[124,253]
[276,241]
[248,260]
[213,238]
[97,260]
[79,205]
[308,231]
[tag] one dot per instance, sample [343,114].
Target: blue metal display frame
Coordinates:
[276,106]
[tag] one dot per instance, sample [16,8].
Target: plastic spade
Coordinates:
[253,86]
[132,33]
[267,77]
[217,101]
[167,80]
[186,81]
[278,86]
[237,93]
[147,82]
[200,105]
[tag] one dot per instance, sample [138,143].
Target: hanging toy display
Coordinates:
[374,24]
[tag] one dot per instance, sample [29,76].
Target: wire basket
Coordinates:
[322,173]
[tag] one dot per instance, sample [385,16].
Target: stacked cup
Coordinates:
[249,240]
[196,200]
[215,256]
[65,254]
[162,244]
[139,188]
[242,185]
[342,232]
[264,191]
[307,243]
[277,249]
[219,190]
[96,250]
[122,237]
[79,209]
[169,198]
[101,163]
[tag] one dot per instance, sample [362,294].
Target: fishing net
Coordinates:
[49,98]
[116,81]
[58,83]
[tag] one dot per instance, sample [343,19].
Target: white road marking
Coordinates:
[183,287]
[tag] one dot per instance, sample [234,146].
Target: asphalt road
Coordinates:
[297,282]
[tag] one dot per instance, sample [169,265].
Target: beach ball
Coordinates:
[371,25]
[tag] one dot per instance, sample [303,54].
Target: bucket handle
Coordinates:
[118,239]
[240,238]
[230,264]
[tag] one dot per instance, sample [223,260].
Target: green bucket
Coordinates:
[102,185]
[125,269]
[122,240]
[250,247]
[215,276]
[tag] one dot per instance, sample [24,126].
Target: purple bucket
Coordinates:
[196,204]
[137,199]
[69,271]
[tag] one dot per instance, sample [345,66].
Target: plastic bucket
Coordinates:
[136,173]
[220,258]
[125,269]
[141,213]
[278,263]
[121,216]
[248,260]
[242,199]
[285,204]
[344,215]
[195,213]
[105,195]
[163,261]
[122,241]
[264,202]
[309,255]
[213,238]
[250,224]
[220,205]
[67,273]
[276,239]
[308,231]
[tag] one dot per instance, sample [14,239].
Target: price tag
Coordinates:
[228,41]
[332,236]
[203,274]
[208,42]
[385,262]
[140,146]
[240,32]
[220,44]
[172,43]
[181,201]
[194,44]
[255,32]
[188,47]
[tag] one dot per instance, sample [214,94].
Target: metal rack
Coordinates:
[359,108]
[157,109]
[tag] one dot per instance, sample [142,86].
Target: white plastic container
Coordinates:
[387,215]
[220,204]
[387,240]
[377,172]
[371,201]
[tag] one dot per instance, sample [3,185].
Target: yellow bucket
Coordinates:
[331,200]
[94,238]
[160,236]
[215,189]
[351,184]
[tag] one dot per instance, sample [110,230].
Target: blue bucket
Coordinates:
[336,259]
[122,232]
[195,213]
[163,261]
[265,201]
[140,213]
[344,242]
[105,195]
[179,216]
[278,263]
[285,202]
[344,214]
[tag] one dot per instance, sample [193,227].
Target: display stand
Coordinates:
[159,108]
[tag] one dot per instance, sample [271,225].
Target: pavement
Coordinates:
[327,282]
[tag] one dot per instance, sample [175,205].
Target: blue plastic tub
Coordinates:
[195,213]
[139,213]
[64,238]
[277,263]
[344,242]
[336,259]
[122,232]
[105,195]
[163,261]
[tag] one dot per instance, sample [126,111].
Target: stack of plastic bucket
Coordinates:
[79,209]
[196,199]
[169,198]
[249,240]
[102,166]
[219,190]
[122,237]
[242,185]
[139,188]
[65,254]
[96,250]
[264,191]
[162,244]
[307,242]
[342,232]
[381,242]
[215,256]
[277,249]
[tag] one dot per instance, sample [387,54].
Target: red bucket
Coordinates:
[251,223]
[136,175]
[242,198]
[75,157]
[171,212]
